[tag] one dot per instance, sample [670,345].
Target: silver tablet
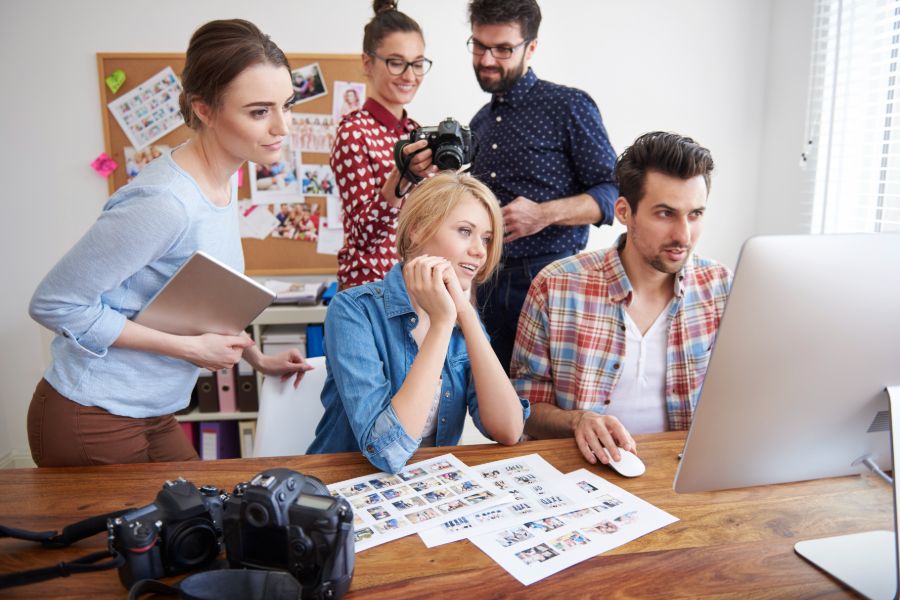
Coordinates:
[205,296]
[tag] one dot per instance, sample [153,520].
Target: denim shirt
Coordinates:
[369,350]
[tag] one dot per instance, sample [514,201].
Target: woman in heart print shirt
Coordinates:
[362,157]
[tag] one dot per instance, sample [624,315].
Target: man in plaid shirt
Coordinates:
[618,340]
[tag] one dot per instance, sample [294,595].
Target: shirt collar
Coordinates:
[519,90]
[396,298]
[384,116]
[620,289]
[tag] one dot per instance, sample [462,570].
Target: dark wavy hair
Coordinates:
[668,153]
[526,13]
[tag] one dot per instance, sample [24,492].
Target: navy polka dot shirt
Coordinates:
[545,141]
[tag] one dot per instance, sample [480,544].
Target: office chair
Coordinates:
[288,417]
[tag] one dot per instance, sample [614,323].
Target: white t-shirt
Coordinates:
[639,398]
[430,430]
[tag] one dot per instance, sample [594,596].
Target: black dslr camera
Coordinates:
[181,531]
[287,521]
[452,145]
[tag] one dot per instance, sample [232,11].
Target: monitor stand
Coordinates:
[868,562]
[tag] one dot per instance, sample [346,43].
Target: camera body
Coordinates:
[287,521]
[180,531]
[451,144]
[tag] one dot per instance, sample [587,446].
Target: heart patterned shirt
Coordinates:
[362,158]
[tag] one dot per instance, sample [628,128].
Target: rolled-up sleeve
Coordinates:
[593,155]
[364,389]
[126,237]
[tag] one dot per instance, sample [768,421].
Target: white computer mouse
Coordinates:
[628,465]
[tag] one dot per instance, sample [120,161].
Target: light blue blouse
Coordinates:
[145,232]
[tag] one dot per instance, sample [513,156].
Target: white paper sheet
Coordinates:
[535,487]
[330,239]
[334,212]
[387,507]
[255,220]
[531,549]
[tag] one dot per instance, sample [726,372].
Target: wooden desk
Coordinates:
[727,544]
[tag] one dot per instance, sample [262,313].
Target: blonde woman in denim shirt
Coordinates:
[407,357]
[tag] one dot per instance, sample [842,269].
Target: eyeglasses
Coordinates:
[498,52]
[398,66]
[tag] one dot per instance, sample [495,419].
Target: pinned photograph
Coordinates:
[278,181]
[297,221]
[308,83]
[136,160]
[313,132]
[150,110]
[348,97]
[318,180]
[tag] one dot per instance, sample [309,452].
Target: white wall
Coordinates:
[700,67]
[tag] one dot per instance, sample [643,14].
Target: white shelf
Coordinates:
[283,314]
[196,415]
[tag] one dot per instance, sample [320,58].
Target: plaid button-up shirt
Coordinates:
[570,345]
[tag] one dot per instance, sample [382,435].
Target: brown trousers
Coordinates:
[63,433]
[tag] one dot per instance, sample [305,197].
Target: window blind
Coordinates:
[852,152]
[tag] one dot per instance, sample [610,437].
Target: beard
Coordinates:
[658,263]
[508,77]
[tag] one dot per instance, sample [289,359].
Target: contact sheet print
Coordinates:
[387,507]
[529,486]
[534,547]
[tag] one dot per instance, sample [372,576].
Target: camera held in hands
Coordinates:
[181,531]
[451,144]
[287,521]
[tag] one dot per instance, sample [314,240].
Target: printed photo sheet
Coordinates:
[149,111]
[387,507]
[535,487]
[534,548]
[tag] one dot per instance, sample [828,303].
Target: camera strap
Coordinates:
[85,564]
[225,584]
[70,533]
[404,162]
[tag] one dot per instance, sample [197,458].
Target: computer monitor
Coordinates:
[796,386]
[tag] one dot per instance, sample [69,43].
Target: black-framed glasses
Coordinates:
[398,66]
[498,52]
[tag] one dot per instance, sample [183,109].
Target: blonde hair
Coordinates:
[430,203]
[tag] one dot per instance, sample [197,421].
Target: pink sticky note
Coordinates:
[241,177]
[104,165]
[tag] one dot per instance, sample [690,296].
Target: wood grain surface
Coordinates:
[727,544]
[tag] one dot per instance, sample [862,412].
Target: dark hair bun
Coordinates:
[380,6]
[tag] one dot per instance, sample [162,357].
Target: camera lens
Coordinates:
[257,515]
[191,544]
[448,157]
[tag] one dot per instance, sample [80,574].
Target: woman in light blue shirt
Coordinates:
[109,394]
[407,357]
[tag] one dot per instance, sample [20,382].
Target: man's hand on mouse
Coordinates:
[593,432]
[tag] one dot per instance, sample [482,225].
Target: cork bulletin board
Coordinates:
[271,256]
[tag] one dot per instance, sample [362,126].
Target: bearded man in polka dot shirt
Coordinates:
[543,151]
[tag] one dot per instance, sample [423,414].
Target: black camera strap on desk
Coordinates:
[52,539]
[70,533]
[225,584]
[85,564]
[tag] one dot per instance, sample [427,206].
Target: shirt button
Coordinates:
[493,175]
[616,366]
[412,319]
[493,146]
[499,118]
[607,401]
[446,394]
[443,419]
[371,449]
